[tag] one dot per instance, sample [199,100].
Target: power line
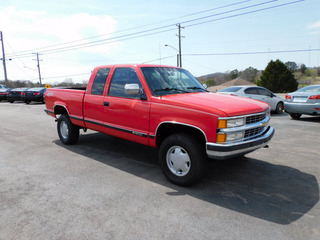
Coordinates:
[252,53]
[155,30]
[71,75]
[245,13]
[125,30]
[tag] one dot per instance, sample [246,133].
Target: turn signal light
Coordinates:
[221,138]
[222,123]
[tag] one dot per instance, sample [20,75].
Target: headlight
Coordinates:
[230,123]
[234,136]
[229,137]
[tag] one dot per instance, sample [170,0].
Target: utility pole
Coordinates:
[179,35]
[38,65]
[4,60]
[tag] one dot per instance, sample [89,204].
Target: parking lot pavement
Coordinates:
[108,188]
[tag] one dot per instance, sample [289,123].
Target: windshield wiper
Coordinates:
[200,88]
[171,89]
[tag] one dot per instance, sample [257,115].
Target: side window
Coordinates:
[99,81]
[120,78]
[264,92]
[251,91]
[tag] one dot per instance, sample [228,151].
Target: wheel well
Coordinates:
[167,129]
[60,110]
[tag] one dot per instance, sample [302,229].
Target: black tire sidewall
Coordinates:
[279,105]
[72,130]
[197,157]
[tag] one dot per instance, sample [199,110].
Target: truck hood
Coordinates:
[216,103]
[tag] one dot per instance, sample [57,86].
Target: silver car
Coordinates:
[303,101]
[257,93]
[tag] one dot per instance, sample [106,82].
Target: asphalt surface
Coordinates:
[108,188]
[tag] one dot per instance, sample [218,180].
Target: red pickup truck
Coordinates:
[166,108]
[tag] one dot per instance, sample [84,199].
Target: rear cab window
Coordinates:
[100,81]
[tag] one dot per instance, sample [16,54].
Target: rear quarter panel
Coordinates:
[70,99]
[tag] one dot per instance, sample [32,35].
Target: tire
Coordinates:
[27,102]
[67,131]
[279,108]
[182,159]
[295,115]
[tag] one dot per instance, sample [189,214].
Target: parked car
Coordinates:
[33,95]
[3,93]
[303,101]
[3,86]
[257,93]
[15,94]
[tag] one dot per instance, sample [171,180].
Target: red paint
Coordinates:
[138,120]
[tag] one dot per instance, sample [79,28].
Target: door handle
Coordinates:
[106,104]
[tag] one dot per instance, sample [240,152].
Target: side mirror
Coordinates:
[132,89]
[205,86]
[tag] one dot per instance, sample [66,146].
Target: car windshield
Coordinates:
[231,89]
[310,89]
[166,80]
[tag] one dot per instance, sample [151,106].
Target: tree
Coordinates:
[234,74]
[292,66]
[210,82]
[278,78]
[303,68]
[249,74]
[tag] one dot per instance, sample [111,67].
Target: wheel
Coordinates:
[10,101]
[279,108]
[182,159]
[27,102]
[295,115]
[67,131]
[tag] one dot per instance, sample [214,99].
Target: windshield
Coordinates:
[315,88]
[231,89]
[166,80]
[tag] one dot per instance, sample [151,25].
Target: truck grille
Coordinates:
[253,132]
[255,118]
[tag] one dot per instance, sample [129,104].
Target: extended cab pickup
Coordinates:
[166,108]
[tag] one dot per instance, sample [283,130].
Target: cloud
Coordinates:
[31,31]
[34,29]
[314,25]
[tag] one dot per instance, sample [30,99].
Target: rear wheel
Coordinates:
[67,131]
[182,159]
[295,115]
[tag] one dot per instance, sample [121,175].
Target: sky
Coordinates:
[72,37]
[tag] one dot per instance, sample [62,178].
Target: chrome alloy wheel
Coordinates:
[178,161]
[64,130]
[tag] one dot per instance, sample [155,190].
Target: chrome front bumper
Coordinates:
[231,150]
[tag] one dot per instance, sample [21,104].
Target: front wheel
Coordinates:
[279,108]
[67,131]
[182,159]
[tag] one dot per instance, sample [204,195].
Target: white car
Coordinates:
[257,93]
